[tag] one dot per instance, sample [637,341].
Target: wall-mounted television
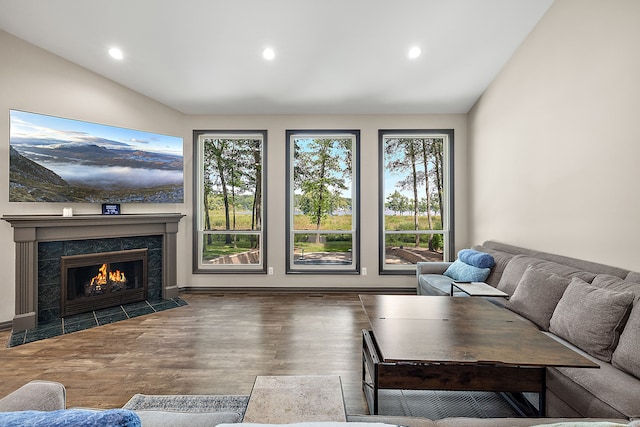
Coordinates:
[53,159]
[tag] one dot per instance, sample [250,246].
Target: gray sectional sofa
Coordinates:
[48,400]
[592,308]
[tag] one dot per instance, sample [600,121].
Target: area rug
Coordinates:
[437,405]
[189,403]
[434,405]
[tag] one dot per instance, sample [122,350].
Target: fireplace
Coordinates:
[40,241]
[101,280]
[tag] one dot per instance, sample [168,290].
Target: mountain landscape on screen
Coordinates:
[61,160]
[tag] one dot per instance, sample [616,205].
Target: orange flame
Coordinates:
[101,278]
[117,276]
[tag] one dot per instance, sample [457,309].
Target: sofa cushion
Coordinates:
[466,273]
[70,417]
[596,392]
[315,424]
[434,284]
[605,392]
[633,276]
[501,259]
[537,295]
[476,258]
[627,354]
[528,422]
[36,395]
[504,247]
[617,284]
[186,419]
[479,422]
[591,318]
[400,420]
[517,266]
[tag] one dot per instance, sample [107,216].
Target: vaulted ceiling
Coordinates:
[331,56]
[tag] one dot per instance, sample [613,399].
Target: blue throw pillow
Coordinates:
[466,273]
[476,258]
[71,417]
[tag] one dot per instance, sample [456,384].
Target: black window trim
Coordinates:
[411,270]
[196,208]
[289,269]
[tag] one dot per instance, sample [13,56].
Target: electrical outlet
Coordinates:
[271,271]
[364,271]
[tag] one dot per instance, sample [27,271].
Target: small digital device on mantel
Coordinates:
[110,209]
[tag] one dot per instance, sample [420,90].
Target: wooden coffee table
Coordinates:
[465,344]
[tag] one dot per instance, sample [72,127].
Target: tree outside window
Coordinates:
[229,201]
[322,226]
[416,203]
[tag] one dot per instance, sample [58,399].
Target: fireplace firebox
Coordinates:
[101,280]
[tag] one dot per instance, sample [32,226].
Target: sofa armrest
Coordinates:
[431,267]
[36,396]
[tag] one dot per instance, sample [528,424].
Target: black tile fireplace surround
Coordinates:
[49,271]
[40,238]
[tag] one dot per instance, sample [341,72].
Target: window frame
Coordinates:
[198,221]
[448,223]
[354,267]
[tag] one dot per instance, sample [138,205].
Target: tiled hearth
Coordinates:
[92,319]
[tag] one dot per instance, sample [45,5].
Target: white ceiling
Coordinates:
[332,56]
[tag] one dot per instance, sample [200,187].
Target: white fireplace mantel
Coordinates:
[29,230]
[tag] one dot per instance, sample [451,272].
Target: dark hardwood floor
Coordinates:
[217,344]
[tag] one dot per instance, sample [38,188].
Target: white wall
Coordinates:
[555,141]
[36,81]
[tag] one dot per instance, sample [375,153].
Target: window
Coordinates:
[229,201]
[322,201]
[416,196]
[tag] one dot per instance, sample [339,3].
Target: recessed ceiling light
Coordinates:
[268,54]
[116,53]
[414,52]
